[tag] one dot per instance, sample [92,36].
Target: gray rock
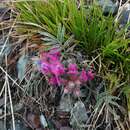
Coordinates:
[18,107]
[66,103]
[109,6]
[19,125]
[124,15]
[2,127]
[78,114]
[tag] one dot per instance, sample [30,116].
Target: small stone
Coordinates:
[78,113]
[66,103]
[124,15]
[2,125]
[18,107]
[109,6]
[19,125]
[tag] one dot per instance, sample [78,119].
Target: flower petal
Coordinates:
[90,75]
[83,76]
[45,68]
[72,69]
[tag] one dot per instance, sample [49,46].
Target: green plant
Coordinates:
[126,91]
[91,29]
[94,29]
[107,104]
[47,14]
[117,61]
[61,22]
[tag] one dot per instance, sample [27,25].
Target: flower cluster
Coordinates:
[69,77]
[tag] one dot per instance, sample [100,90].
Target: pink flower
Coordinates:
[55,81]
[45,68]
[55,52]
[57,69]
[51,66]
[66,90]
[78,82]
[52,81]
[83,76]
[51,56]
[72,88]
[73,72]
[90,75]
[76,92]
[70,85]
[72,69]
[43,56]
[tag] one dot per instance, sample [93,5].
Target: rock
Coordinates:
[124,14]
[78,114]
[66,103]
[18,107]
[109,6]
[19,125]
[43,121]
[2,125]
[4,13]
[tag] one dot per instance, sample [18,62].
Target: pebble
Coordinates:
[109,6]
[124,15]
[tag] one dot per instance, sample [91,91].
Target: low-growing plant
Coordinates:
[90,27]
[59,75]
[64,22]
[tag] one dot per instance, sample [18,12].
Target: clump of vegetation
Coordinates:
[70,56]
[91,29]
[70,78]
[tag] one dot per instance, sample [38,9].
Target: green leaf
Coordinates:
[61,33]
[49,38]
[106,98]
